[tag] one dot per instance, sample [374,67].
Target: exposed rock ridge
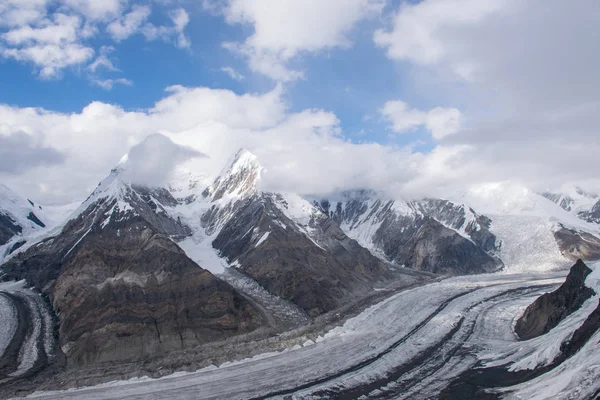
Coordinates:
[311,263]
[548,310]
[430,235]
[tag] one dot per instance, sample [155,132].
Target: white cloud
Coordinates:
[97,10]
[51,58]
[102,61]
[233,74]
[439,121]
[57,34]
[283,30]
[526,76]
[21,12]
[99,135]
[63,29]
[129,23]
[303,152]
[153,160]
[419,29]
[180,19]
[108,84]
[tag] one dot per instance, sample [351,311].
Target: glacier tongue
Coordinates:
[528,244]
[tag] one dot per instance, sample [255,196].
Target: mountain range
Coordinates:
[137,271]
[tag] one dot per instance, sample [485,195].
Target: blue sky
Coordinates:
[353,82]
[412,97]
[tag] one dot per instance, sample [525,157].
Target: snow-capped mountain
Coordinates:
[305,257]
[537,233]
[575,200]
[120,285]
[431,235]
[280,240]
[19,218]
[583,204]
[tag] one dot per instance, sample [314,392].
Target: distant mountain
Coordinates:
[583,204]
[429,235]
[534,227]
[593,215]
[18,218]
[576,201]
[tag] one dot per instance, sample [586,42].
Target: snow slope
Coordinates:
[525,221]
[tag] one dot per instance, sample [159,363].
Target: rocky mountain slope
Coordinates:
[429,235]
[122,289]
[575,200]
[284,243]
[551,308]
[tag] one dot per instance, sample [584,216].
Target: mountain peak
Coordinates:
[243,158]
[241,177]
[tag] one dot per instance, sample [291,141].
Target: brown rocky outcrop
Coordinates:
[549,309]
[576,244]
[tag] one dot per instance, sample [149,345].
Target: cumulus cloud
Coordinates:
[152,161]
[528,90]
[284,29]
[97,136]
[439,121]
[304,152]
[419,29]
[98,10]
[55,35]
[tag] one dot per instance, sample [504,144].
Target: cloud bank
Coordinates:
[504,94]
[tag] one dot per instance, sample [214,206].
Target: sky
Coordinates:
[413,98]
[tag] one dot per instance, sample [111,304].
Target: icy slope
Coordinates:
[573,199]
[18,216]
[528,224]
[19,220]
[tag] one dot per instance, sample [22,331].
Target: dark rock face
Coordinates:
[578,244]
[431,247]
[565,202]
[318,273]
[8,228]
[33,218]
[551,308]
[589,327]
[136,294]
[123,290]
[455,216]
[419,236]
[593,215]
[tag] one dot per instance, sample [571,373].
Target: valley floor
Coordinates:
[415,344]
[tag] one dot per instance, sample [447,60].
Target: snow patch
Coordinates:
[262,239]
